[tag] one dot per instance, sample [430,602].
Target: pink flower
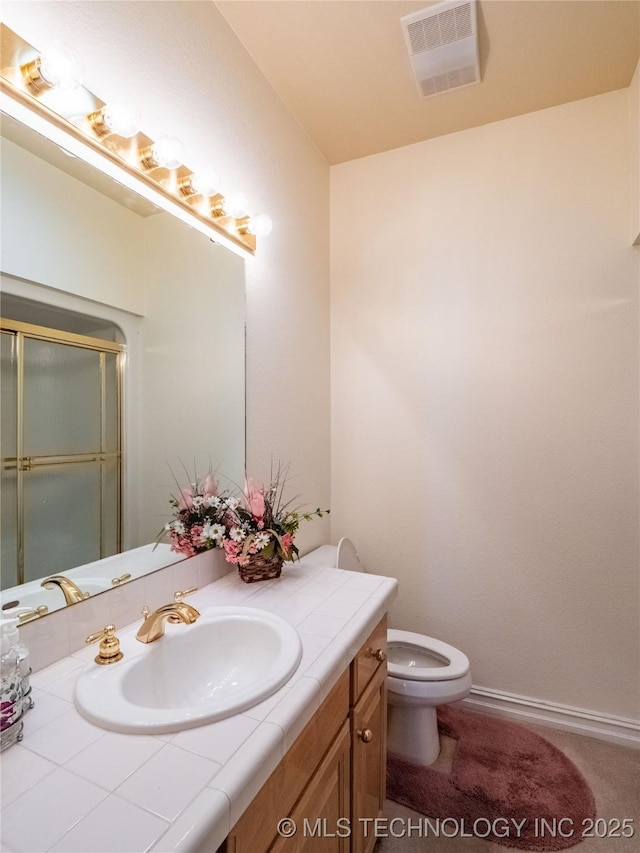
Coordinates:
[232,551]
[196,535]
[182,544]
[254,500]
[208,485]
[287,542]
[186,498]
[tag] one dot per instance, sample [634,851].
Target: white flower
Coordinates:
[217,531]
[237,534]
[198,501]
[232,503]
[261,540]
[212,532]
[177,527]
[212,500]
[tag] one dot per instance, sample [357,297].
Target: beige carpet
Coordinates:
[613,772]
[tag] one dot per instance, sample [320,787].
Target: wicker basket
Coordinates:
[261,569]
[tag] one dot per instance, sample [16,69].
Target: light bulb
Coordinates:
[205,183]
[168,152]
[235,205]
[60,66]
[260,225]
[121,118]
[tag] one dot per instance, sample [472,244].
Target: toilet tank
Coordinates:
[340,556]
[324,557]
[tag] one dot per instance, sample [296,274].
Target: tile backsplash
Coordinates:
[63,632]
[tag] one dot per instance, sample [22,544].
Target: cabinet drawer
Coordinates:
[257,828]
[365,664]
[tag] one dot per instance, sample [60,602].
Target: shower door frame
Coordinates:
[21,463]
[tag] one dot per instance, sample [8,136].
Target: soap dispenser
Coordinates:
[10,629]
[11,709]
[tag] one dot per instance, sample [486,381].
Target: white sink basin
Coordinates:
[229,660]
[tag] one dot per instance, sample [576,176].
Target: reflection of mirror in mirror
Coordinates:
[83,254]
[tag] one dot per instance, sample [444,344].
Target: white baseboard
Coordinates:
[524,709]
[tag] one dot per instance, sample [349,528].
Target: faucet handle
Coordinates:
[109,645]
[41,610]
[179,595]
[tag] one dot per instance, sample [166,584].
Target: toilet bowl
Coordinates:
[422,673]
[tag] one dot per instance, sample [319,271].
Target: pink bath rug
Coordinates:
[506,784]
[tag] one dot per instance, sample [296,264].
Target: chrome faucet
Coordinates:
[71,592]
[153,626]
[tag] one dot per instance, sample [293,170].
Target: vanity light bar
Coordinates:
[108,138]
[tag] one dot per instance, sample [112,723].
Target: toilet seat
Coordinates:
[454,664]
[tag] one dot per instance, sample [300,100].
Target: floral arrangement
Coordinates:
[262,524]
[198,517]
[257,524]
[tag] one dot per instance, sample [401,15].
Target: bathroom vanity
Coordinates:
[314,750]
[331,783]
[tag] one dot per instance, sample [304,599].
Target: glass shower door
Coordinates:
[67,446]
[9,557]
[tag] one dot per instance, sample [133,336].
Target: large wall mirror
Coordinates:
[122,367]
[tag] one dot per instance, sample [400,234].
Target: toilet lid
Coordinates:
[347,557]
[416,657]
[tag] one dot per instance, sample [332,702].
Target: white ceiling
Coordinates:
[341,66]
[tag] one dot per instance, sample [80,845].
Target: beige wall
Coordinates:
[192,368]
[634,130]
[182,63]
[45,208]
[485,395]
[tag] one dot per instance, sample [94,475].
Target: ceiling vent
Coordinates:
[442,41]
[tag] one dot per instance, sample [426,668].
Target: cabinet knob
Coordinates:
[379,654]
[365,735]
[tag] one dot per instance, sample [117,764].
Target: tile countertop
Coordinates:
[72,786]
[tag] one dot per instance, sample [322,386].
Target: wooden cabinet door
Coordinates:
[255,831]
[321,816]
[368,761]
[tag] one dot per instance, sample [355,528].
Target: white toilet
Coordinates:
[422,673]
